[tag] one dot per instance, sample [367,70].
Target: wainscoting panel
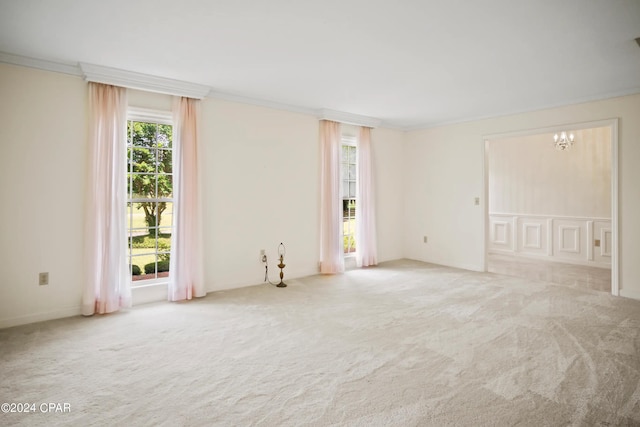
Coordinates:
[569,236]
[584,241]
[534,235]
[501,234]
[602,236]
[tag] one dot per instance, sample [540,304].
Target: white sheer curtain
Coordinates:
[331,245]
[187,278]
[107,283]
[366,244]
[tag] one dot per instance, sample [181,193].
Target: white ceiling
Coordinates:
[411,63]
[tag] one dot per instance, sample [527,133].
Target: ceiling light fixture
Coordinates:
[563,141]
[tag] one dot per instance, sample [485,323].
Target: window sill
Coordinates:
[350,262]
[149,292]
[149,283]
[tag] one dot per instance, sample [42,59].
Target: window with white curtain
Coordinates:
[348,179]
[149,195]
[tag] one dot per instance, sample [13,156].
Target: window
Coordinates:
[149,197]
[348,178]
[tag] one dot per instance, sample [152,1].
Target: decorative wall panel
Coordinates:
[584,241]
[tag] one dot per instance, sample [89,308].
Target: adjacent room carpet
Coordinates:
[403,344]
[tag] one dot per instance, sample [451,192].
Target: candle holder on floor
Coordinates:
[281,252]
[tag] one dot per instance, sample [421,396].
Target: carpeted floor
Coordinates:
[577,276]
[403,344]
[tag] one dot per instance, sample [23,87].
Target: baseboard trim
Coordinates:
[629,294]
[550,259]
[40,317]
[468,267]
[274,275]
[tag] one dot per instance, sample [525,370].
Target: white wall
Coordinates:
[260,188]
[444,172]
[527,175]
[443,175]
[388,163]
[43,128]
[261,182]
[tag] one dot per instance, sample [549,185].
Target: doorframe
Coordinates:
[612,124]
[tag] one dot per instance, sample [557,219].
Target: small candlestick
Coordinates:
[281,252]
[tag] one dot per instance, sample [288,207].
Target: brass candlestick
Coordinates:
[281,252]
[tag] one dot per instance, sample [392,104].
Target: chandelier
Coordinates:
[563,141]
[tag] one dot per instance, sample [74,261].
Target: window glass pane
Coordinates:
[129,160]
[153,266]
[164,242]
[144,134]
[135,270]
[129,212]
[140,259]
[153,235]
[345,189]
[143,241]
[129,132]
[165,136]
[165,161]
[142,186]
[136,217]
[352,171]
[143,244]
[163,265]
[146,218]
[142,160]
[130,242]
[352,155]
[165,187]
[345,153]
[352,189]
[165,209]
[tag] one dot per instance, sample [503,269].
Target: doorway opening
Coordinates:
[552,213]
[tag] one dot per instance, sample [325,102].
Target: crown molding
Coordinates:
[593,98]
[151,83]
[41,64]
[147,82]
[113,76]
[133,80]
[262,103]
[348,118]
[322,114]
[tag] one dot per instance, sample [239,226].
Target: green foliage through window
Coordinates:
[150,197]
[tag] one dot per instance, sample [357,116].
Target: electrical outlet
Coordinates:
[477,201]
[43,279]
[424,239]
[597,243]
[263,255]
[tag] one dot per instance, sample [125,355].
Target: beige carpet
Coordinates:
[404,344]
